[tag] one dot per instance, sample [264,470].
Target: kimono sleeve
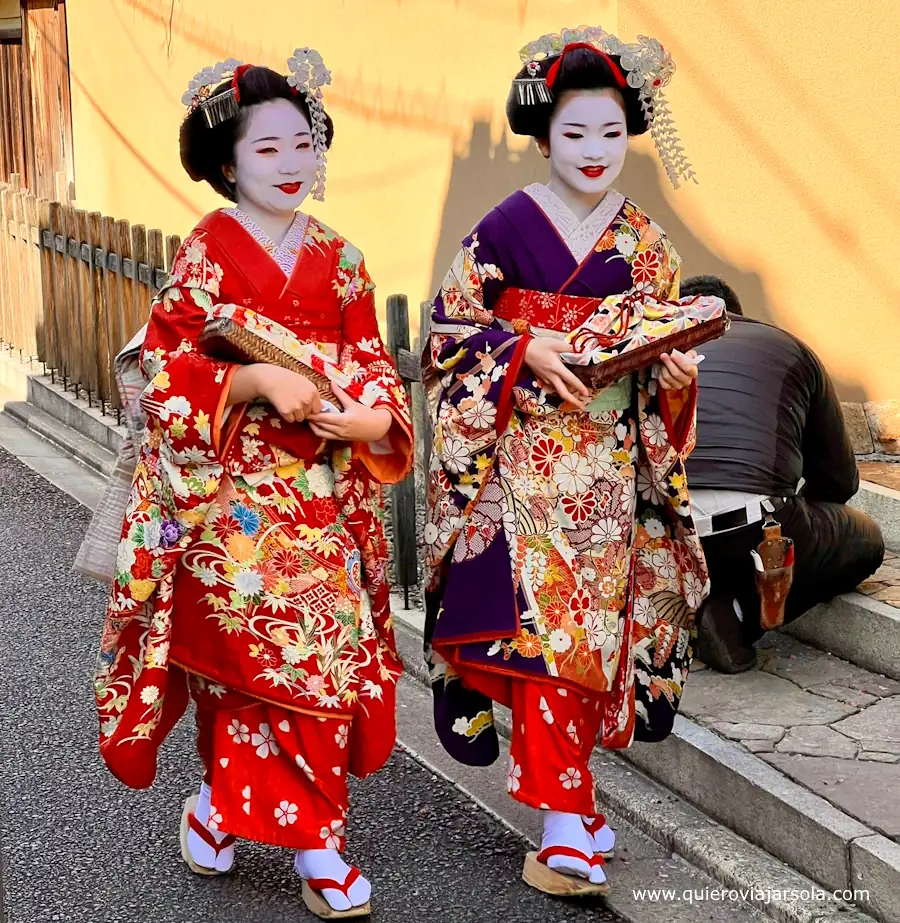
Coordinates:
[179,467]
[364,356]
[678,409]
[187,392]
[473,360]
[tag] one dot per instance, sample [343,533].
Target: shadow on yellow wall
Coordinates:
[797,206]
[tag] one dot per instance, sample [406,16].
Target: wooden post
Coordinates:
[7,299]
[98,319]
[403,495]
[61,360]
[156,257]
[49,345]
[420,398]
[123,246]
[22,311]
[33,267]
[70,348]
[87,324]
[141,309]
[62,188]
[173,245]
[113,301]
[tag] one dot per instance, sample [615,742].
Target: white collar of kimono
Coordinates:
[579,236]
[285,254]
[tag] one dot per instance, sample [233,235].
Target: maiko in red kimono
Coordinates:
[252,569]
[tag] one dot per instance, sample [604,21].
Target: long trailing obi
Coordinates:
[252,555]
[560,542]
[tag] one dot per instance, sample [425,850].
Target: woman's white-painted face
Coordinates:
[588,140]
[274,163]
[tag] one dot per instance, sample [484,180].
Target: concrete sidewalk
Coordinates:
[80,848]
[761,782]
[439,839]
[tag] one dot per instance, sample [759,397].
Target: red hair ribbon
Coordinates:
[239,72]
[553,73]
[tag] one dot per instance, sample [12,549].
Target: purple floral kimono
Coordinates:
[560,543]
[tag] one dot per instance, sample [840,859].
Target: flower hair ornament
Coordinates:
[644,66]
[224,106]
[308,75]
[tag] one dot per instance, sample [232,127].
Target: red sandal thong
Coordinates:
[316,902]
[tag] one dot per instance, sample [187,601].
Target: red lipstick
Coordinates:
[593,172]
[290,188]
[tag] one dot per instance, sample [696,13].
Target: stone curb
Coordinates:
[857,628]
[697,834]
[883,505]
[69,440]
[24,383]
[874,861]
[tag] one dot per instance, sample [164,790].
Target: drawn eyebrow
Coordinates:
[579,125]
[300,134]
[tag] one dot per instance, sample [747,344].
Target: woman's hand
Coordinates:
[542,357]
[356,422]
[678,370]
[293,396]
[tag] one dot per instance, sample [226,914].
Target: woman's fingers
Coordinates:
[344,398]
[681,366]
[677,372]
[559,386]
[669,364]
[573,382]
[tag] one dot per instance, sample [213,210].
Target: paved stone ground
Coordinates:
[884,584]
[827,724]
[78,847]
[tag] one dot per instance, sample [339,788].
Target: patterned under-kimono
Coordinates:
[252,570]
[564,566]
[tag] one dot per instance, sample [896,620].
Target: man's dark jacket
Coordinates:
[768,413]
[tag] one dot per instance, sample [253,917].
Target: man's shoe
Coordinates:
[720,638]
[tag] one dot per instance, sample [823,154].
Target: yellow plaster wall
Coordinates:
[798,201]
[10,17]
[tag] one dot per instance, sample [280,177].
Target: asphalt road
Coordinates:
[78,847]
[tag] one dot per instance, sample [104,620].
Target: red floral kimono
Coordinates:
[252,568]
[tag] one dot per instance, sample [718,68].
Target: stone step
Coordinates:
[862,627]
[70,440]
[23,382]
[836,830]
[879,496]
[801,757]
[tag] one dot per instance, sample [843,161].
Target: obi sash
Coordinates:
[612,337]
[524,308]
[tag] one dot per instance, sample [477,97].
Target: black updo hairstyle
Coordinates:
[205,151]
[581,69]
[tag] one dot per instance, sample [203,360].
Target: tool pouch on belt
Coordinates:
[774,560]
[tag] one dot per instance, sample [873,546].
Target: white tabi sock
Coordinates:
[327,863]
[568,830]
[604,839]
[201,852]
[204,802]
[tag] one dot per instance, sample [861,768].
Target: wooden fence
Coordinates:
[76,286]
